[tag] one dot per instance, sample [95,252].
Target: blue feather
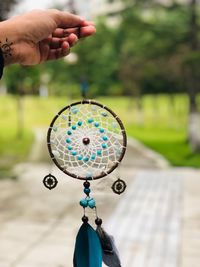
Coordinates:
[88,252]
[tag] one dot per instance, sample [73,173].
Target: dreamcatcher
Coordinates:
[87,141]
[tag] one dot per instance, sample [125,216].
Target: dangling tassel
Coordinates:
[87,251]
[109,251]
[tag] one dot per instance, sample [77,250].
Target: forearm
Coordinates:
[8,42]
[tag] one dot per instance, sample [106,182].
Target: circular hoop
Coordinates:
[86,140]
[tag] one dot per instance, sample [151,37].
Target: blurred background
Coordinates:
[144,59]
[143,62]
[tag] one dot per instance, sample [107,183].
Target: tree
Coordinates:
[5,8]
[20,81]
[97,60]
[192,74]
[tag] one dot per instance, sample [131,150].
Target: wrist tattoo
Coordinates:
[6,48]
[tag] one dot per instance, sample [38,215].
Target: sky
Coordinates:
[26,5]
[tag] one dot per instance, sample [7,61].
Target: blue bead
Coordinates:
[79,123]
[101,130]
[87,191]
[69,147]
[105,138]
[84,203]
[74,110]
[90,120]
[96,124]
[92,203]
[114,125]
[86,159]
[64,117]
[104,145]
[104,114]
[79,157]
[89,175]
[93,157]
[94,108]
[69,132]
[99,152]
[73,127]
[74,153]
[68,141]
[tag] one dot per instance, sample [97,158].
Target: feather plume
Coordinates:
[87,251]
[109,251]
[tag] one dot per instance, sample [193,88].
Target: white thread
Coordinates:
[88,116]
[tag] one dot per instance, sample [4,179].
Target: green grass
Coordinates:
[162,125]
[171,143]
[13,148]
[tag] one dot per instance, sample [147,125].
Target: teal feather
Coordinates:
[88,252]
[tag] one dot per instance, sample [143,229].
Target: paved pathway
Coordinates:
[153,222]
[147,221]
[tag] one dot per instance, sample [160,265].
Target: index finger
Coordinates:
[65,19]
[79,31]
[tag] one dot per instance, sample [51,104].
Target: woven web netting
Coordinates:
[86,141]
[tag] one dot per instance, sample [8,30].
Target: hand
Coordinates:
[40,35]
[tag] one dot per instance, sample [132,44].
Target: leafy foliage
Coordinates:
[148,51]
[22,80]
[5,8]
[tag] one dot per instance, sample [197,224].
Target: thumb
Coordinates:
[65,19]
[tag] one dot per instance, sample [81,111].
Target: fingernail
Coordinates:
[74,42]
